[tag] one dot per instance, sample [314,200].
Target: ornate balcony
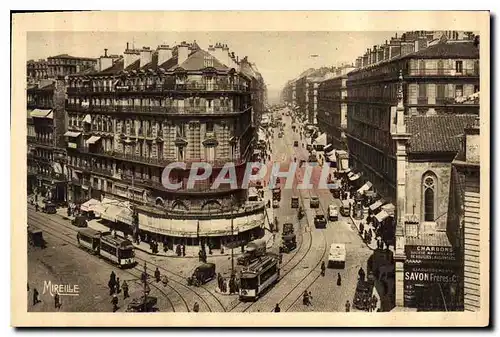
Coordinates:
[160,88]
[160,162]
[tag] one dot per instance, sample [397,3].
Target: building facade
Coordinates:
[47,175]
[464,215]
[332,108]
[433,78]
[64,64]
[149,109]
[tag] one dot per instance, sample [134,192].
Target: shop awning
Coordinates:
[72,134]
[111,212]
[365,187]
[256,151]
[389,208]
[349,173]
[332,157]
[321,140]
[347,170]
[126,216]
[86,206]
[381,216]
[193,228]
[87,119]
[42,113]
[329,149]
[354,177]
[92,139]
[376,205]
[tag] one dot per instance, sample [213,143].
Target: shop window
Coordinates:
[459,65]
[429,186]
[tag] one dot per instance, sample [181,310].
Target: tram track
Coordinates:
[65,238]
[176,278]
[298,287]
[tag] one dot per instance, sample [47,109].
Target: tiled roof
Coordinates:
[438,239]
[196,61]
[115,68]
[134,65]
[436,133]
[448,50]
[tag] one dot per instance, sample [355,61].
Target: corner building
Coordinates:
[148,109]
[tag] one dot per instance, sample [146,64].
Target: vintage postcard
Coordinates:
[250,169]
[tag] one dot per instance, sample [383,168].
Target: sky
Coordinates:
[279,56]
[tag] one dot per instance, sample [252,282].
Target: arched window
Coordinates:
[429,186]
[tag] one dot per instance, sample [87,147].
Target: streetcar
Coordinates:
[117,250]
[258,278]
[89,239]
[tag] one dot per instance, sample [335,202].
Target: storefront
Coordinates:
[218,230]
[432,277]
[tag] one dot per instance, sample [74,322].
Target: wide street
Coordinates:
[62,262]
[327,296]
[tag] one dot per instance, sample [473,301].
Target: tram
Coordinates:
[258,277]
[117,250]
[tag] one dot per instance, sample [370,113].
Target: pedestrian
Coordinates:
[112,276]
[305,298]
[36,207]
[277,308]
[157,275]
[361,274]
[323,268]
[183,250]
[57,301]
[35,296]
[125,289]
[347,306]
[111,286]
[339,279]
[117,285]
[196,307]
[114,301]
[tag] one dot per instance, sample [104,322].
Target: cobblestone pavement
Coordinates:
[64,264]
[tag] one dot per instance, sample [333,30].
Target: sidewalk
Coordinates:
[373,244]
[191,251]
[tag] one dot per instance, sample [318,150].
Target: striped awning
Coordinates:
[42,113]
[72,134]
[381,216]
[92,139]
[376,205]
[365,187]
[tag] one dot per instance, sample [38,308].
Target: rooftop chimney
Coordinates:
[146,55]
[164,53]
[130,56]
[182,52]
[105,61]
[218,53]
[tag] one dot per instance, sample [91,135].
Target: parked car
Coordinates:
[202,274]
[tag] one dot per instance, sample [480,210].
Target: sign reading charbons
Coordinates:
[416,255]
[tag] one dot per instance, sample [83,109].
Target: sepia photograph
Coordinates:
[339,174]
